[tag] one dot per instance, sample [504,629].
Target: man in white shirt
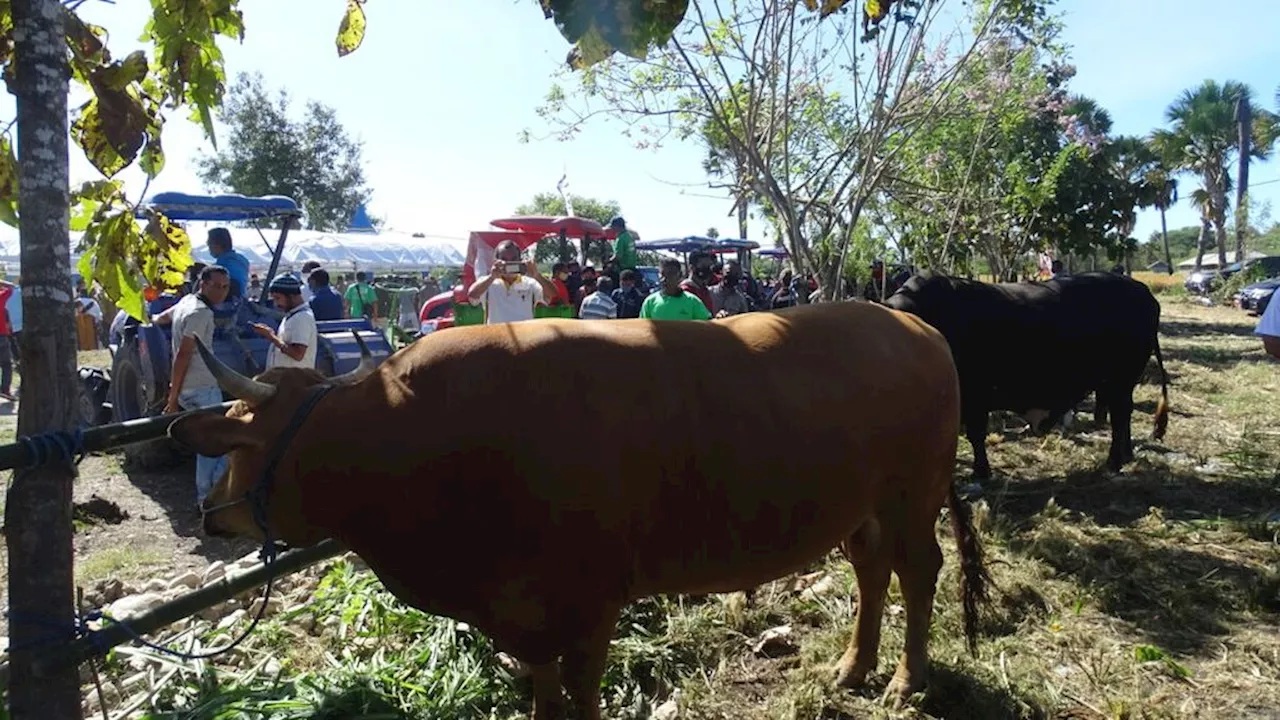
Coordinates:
[1269,328]
[512,288]
[293,344]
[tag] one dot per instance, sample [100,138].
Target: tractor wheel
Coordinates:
[129,402]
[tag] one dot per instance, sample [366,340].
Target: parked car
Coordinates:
[1255,298]
[1203,282]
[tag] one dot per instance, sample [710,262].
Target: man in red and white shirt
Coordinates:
[6,348]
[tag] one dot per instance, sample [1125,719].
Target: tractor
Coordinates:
[142,357]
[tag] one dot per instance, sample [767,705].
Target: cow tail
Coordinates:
[974,580]
[1162,408]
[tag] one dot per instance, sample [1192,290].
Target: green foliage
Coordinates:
[118,255]
[1226,291]
[313,160]
[1202,138]
[1013,164]
[551,204]
[122,121]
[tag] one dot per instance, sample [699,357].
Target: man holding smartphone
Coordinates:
[512,288]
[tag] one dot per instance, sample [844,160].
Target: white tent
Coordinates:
[384,251]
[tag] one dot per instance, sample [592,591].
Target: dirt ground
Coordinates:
[132,525]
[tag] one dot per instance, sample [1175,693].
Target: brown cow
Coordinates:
[740,459]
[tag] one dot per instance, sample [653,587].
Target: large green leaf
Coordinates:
[89,134]
[351,30]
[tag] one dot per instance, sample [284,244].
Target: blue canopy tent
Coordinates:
[741,247]
[683,246]
[183,207]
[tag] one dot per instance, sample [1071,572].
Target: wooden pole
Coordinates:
[56,658]
[38,508]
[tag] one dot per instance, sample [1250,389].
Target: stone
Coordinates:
[155,585]
[514,667]
[775,643]
[820,588]
[189,580]
[273,607]
[132,605]
[112,590]
[231,619]
[669,710]
[805,582]
[212,614]
[214,572]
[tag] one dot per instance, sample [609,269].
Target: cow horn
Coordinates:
[366,367]
[233,383]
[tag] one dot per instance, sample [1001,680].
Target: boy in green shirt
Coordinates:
[624,246]
[672,302]
[361,299]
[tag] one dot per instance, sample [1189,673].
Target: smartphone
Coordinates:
[513,268]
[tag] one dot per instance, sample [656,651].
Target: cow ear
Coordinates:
[212,435]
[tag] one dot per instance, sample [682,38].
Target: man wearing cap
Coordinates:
[293,344]
[624,247]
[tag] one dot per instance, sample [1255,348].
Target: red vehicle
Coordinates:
[453,307]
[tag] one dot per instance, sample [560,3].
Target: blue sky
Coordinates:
[440,91]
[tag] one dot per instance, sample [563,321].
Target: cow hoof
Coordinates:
[850,676]
[900,690]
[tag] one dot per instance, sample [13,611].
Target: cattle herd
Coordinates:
[461,503]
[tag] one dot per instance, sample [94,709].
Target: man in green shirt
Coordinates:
[672,302]
[624,246]
[362,300]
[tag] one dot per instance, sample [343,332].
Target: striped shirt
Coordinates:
[598,306]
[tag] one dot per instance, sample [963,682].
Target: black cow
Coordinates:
[1040,348]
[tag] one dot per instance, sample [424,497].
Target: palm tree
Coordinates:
[1201,140]
[1166,195]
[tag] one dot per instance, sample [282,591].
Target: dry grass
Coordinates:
[1152,594]
[1161,282]
[1149,594]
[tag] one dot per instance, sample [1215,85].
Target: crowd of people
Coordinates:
[711,288]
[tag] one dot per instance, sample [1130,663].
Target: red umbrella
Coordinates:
[576,227]
[523,239]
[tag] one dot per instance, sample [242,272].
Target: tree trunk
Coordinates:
[1245,120]
[38,508]
[1202,242]
[1220,232]
[1164,234]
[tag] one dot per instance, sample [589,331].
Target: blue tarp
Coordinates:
[219,208]
[679,245]
[737,244]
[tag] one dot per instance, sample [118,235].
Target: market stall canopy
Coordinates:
[776,253]
[574,227]
[228,207]
[688,244]
[728,245]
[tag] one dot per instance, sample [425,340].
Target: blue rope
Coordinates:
[78,629]
[67,446]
